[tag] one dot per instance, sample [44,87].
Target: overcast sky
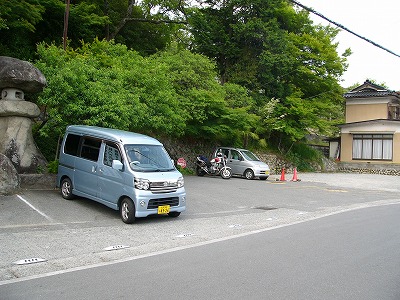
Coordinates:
[378,21]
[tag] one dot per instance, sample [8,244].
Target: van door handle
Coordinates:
[93,169]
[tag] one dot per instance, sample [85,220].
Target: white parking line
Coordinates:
[35,209]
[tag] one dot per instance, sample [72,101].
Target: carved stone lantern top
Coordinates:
[18,76]
[16,139]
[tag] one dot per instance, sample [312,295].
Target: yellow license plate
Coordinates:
[164,209]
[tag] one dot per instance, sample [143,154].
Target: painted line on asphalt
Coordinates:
[180,248]
[36,225]
[336,191]
[217,212]
[35,209]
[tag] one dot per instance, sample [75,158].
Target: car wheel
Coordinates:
[127,211]
[249,174]
[226,173]
[66,189]
[174,214]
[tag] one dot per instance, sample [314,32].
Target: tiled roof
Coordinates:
[370,93]
[369,89]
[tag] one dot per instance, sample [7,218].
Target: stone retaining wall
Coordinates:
[38,181]
[190,149]
[368,168]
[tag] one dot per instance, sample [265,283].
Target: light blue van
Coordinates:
[125,171]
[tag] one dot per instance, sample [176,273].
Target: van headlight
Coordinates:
[142,184]
[180,182]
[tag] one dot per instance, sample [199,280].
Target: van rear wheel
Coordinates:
[127,211]
[66,189]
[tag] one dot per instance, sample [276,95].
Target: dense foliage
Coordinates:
[172,93]
[280,57]
[242,72]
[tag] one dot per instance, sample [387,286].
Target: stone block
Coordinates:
[9,179]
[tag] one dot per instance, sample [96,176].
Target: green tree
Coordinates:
[173,93]
[105,84]
[213,111]
[20,14]
[29,22]
[18,19]
[145,26]
[290,67]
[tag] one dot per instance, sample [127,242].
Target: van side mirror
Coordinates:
[117,165]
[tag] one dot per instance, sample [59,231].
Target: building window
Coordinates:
[373,146]
[394,112]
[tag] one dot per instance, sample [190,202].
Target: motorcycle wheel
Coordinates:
[226,173]
[200,172]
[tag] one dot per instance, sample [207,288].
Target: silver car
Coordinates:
[244,163]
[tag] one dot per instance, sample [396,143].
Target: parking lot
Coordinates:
[40,232]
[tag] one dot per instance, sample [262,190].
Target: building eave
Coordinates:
[370,122]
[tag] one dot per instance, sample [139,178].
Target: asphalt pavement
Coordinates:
[42,233]
[372,182]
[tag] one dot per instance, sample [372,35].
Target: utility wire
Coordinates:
[341,26]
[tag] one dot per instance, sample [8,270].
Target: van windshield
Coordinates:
[250,155]
[148,158]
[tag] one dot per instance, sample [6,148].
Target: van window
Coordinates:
[148,158]
[90,148]
[235,154]
[72,144]
[111,153]
[225,152]
[250,155]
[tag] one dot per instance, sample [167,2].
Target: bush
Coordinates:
[52,167]
[304,157]
[185,171]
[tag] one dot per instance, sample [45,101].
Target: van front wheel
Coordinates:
[127,211]
[66,189]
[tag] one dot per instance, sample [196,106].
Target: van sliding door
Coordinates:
[86,168]
[111,181]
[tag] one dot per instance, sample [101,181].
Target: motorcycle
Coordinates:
[217,166]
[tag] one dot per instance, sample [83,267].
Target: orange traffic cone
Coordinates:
[283,175]
[295,175]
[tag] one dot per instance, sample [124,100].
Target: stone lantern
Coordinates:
[16,114]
